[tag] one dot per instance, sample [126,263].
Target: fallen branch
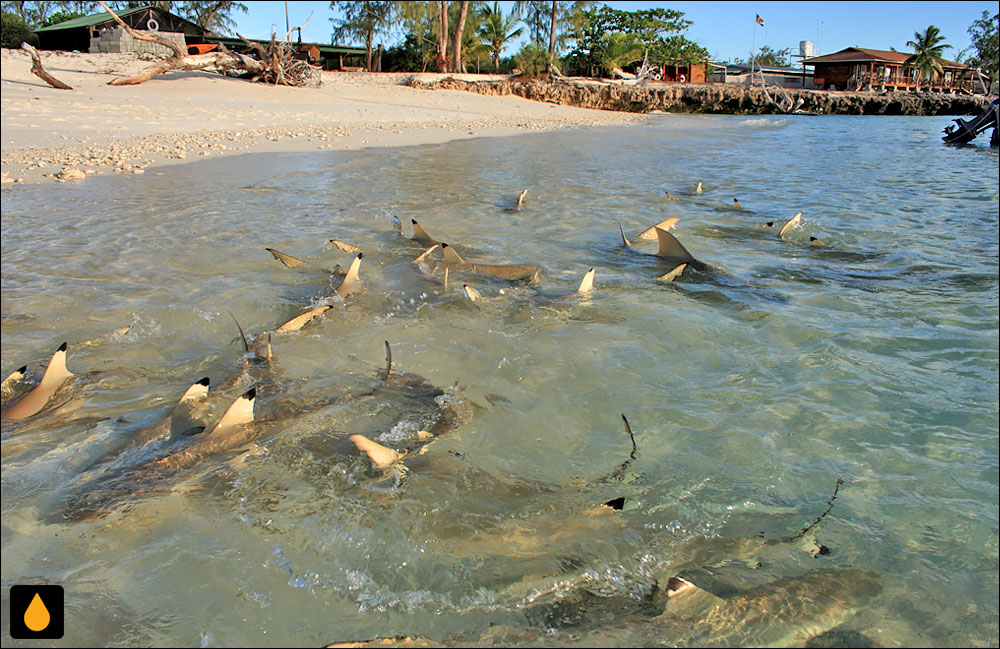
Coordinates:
[224,60]
[39,71]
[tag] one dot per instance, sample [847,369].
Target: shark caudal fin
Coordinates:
[671,248]
[198,391]
[287,260]
[795,220]
[346,247]
[239,413]
[471,293]
[300,321]
[587,284]
[381,456]
[420,235]
[650,232]
[55,375]
[450,256]
[520,199]
[672,275]
[424,254]
[625,241]
[736,204]
[351,281]
[698,189]
[7,387]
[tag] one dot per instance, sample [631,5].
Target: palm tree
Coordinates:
[618,49]
[496,32]
[928,52]
[363,20]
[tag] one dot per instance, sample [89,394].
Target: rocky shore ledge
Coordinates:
[711,98]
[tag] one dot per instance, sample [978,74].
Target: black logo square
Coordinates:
[36,612]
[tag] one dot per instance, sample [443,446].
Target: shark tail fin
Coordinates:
[388,362]
[287,260]
[197,391]
[625,241]
[587,285]
[794,221]
[302,320]
[450,256]
[666,224]
[672,275]
[471,293]
[240,412]
[520,198]
[424,254]
[671,247]
[246,345]
[56,373]
[381,456]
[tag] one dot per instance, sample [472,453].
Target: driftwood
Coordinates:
[39,71]
[276,64]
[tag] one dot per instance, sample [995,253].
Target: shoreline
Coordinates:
[66,135]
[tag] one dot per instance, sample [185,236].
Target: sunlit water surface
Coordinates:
[750,392]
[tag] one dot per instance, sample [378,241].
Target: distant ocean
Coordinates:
[752,391]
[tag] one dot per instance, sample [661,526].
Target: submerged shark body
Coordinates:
[55,377]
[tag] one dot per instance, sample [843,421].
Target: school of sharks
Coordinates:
[715,593]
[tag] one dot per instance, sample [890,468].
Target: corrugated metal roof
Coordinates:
[89,21]
[866,55]
[327,49]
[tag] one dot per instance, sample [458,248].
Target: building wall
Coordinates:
[118,40]
[833,74]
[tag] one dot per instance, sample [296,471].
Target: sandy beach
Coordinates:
[51,134]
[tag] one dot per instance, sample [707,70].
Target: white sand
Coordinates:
[96,128]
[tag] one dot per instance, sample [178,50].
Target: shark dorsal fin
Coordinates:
[813,241]
[471,293]
[55,375]
[287,260]
[794,221]
[672,197]
[736,204]
[450,256]
[670,247]
[698,189]
[198,391]
[674,274]
[587,285]
[351,280]
[420,235]
[240,412]
[346,247]
[650,232]
[300,321]
[381,456]
[424,254]
[625,241]
[7,387]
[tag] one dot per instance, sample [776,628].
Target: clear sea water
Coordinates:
[751,391]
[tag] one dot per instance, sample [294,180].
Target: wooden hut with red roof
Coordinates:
[858,68]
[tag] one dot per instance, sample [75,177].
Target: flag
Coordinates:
[760,21]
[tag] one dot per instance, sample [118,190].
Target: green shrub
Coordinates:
[532,60]
[14,31]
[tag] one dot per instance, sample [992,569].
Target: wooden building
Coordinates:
[85,34]
[857,68]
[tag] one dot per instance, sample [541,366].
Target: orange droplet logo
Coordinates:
[36,617]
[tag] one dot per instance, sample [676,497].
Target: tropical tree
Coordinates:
[552,21]
[928,52]
[362,20]
[496,31]
[985,33]
[618,50]
[216,16]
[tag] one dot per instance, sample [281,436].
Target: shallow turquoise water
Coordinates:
[750,392]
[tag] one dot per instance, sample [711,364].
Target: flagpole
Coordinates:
[753,50]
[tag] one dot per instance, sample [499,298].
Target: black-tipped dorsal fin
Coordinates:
[239,413]
[287,260]
[670,247]
[420,235]
[197,391]
[55,375]
[471,293]
[587,284]
[520,198]
[346,247]
[450,256]
[351,281]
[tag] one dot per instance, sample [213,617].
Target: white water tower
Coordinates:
[805,49]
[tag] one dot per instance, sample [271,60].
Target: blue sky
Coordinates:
[726,29]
